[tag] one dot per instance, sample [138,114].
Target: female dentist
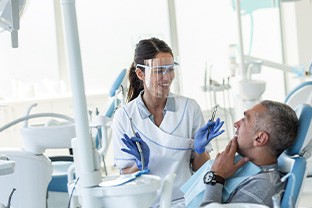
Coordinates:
[169,128]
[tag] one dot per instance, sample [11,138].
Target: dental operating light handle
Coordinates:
[89,175]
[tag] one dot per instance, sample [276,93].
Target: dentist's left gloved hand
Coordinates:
[201,140]
[133,150]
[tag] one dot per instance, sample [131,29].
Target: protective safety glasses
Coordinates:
[159,74]
[161,70]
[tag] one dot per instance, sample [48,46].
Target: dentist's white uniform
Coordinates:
[171,144]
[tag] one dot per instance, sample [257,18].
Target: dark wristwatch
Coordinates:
[212,178]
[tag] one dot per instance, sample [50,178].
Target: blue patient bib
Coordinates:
[194,188]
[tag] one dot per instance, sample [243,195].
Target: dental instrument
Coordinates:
[137,144]
[122,179]
[209,131]
[213,115]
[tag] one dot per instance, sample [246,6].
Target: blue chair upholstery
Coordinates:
[112,103]
[59,179]
[299,95]
[293,160]
[118,82]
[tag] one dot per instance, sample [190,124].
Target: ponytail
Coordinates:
[135,86]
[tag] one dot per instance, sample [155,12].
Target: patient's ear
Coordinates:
[261,139]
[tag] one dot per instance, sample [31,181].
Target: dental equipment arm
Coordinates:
[133,150]
[283,67]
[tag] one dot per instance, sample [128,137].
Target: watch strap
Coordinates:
[219,179]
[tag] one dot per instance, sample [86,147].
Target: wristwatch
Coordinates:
[212,178]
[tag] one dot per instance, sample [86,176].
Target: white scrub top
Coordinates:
[171,144]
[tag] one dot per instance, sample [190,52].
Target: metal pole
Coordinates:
[243,72]
[285,75]
[60,42]
[89,174]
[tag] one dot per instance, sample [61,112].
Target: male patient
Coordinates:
[265,131]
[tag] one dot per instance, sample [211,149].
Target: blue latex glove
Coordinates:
[201,140]
[133,150]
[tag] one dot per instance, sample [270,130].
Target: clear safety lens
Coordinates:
[159,75]
[162,70]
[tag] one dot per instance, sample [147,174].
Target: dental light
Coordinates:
[10,13]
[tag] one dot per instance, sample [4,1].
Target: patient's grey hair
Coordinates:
[280,122]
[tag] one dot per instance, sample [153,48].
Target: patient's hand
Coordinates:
[224,165]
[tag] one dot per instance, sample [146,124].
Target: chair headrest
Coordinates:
[304,134]
[117,82]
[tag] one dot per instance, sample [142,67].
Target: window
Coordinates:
[109,30]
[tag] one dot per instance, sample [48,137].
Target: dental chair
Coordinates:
[292,163]
[301,94]
[293,160]
[115,100]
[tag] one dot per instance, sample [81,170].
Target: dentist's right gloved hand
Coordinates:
[201,140]
[133,150]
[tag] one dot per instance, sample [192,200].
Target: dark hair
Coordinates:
[145,49]
[280,122]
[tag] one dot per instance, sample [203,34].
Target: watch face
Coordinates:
[208,177]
